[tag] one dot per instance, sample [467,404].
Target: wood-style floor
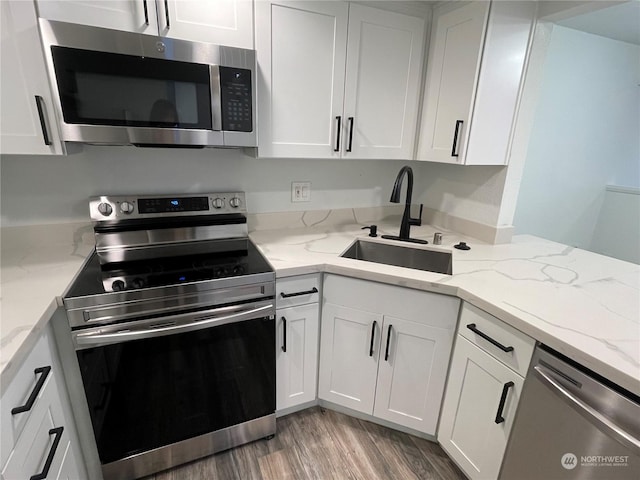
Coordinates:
[324,445]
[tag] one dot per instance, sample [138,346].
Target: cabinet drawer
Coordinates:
[24,383]
[41,437]
[495,336]
[297,290]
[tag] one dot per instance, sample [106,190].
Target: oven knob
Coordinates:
[221,272]
[126,207]
[137,282]
[235,202]
[105,209]
[238,270]
[218,203]
[117,285]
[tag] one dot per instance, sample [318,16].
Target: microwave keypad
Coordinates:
[235,92]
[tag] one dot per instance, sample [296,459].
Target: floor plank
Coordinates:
[319,444]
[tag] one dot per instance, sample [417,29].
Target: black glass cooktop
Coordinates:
[94,279]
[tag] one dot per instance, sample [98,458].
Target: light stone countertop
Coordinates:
[584,305]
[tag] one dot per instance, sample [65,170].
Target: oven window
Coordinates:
[98,88]
[149,393]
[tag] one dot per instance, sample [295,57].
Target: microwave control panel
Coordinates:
[235,93]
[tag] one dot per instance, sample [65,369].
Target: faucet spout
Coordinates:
[407,221]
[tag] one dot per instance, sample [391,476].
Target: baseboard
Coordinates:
[370,418]
[296,408]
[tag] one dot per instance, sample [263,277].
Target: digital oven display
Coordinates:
[169,205]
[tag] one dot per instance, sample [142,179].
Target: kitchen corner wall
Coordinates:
[585,137]
[43,189]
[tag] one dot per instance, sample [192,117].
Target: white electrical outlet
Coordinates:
[300,191]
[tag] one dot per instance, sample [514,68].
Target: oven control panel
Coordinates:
[123,207]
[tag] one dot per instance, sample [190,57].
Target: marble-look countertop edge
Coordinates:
[322,258]
[517,321]
[12,366]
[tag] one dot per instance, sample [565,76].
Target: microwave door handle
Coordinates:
[204,319]
[216,97]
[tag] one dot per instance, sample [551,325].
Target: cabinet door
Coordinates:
[468,429]
[128,15]
[69,470]
[35,442]
[412,373]
[454,61]
[223,22]
[27,120]
[301,50]
[383,73]
[349,352]
[296,355]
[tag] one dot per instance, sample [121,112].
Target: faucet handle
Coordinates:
[417,221]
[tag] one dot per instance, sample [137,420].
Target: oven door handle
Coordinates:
[164,326]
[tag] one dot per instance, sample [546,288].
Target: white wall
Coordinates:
[42,189]
[617,232]
[584,136]
[469,192]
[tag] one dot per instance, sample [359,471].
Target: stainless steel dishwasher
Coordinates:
[572,424]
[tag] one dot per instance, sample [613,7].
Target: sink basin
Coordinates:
[400,256]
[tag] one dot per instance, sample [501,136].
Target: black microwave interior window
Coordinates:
[99,88]
[235,93]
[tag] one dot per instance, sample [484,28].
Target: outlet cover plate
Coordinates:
[300,191]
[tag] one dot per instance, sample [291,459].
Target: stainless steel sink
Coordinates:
[400,256]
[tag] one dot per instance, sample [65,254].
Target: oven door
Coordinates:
[167,390]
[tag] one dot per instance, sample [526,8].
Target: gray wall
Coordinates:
[584,137]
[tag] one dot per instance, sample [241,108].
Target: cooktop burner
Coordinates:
[159,272]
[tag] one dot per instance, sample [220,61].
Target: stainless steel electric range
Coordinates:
[170,332]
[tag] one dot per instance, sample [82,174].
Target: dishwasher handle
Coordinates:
[599,420]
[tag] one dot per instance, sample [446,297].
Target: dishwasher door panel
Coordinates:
[554,437]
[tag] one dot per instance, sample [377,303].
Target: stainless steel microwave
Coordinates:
[121,88]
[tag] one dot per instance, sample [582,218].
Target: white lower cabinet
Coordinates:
[349,352]
[38,437]
[384,350]
[296,341]
[482,393]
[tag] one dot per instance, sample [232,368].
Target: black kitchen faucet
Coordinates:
[407,221]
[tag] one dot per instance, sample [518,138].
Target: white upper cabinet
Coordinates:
[475,68]
[301,51]
[130,15]
[224,22]
[382,86]
[338,80]
[27,121]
